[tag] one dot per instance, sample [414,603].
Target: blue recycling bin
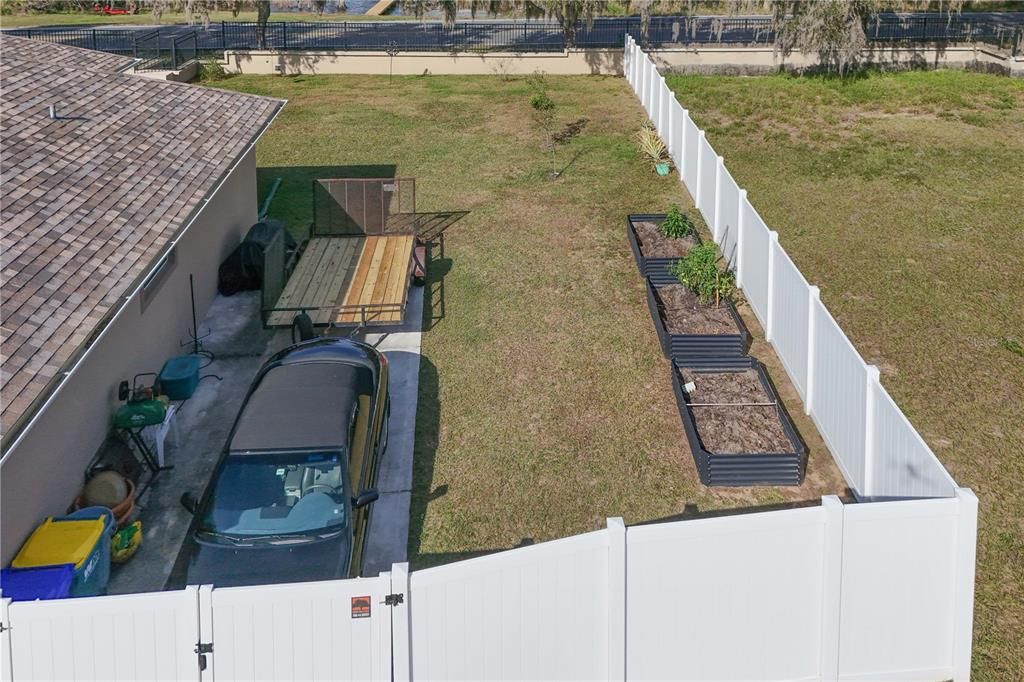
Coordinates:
[43,582]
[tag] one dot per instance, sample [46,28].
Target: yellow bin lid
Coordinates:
[60,542]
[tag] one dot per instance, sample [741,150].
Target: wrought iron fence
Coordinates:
[197,42]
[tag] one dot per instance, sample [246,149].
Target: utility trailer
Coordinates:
[363,249]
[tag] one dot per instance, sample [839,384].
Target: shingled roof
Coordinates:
[65,55]
[91,199]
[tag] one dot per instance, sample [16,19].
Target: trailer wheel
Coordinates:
[302,327]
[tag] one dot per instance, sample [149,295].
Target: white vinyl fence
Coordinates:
[878,451]
[859,591]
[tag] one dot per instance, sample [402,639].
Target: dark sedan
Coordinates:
[289,498]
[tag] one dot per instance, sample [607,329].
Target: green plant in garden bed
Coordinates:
[698,271]
[676,224]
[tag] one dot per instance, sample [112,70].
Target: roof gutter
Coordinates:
[13,437]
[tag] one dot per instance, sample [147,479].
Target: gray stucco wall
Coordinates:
[43,472]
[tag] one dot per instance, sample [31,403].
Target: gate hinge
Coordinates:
[394,599]
[3,628]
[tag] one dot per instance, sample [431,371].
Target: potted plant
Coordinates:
[693,311]
[658,240]
[653,148]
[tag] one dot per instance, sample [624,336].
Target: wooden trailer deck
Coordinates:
[349,280]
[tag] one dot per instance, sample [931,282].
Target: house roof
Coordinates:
[91,199]
[65,55]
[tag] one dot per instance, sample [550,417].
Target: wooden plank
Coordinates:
[380,286]
[341,267]
[295,291]
[358,279]
[399,278]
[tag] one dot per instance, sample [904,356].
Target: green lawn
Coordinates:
[545,405]
[902,196]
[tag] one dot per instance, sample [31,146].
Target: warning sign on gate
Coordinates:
[361,607]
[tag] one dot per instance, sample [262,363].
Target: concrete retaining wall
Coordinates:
[701,60]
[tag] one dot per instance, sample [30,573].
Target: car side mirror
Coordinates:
[364,498]
[189,502]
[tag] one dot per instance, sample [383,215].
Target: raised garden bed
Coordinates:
[689,330]
[653,251]
[739,432]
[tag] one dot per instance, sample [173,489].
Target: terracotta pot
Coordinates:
[122,510]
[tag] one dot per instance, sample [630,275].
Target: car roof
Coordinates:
[306,405]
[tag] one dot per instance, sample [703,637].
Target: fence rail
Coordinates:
[515,36]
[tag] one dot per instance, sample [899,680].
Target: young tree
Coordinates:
[544,114]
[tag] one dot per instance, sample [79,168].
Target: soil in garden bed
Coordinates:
[735,429]
[683,313]
[653,244]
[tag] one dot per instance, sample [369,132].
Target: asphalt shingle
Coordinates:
[90,199]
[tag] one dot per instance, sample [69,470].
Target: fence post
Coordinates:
[670,129]
[94,39]
[616,599]
[719,167]
[831,583]
[223,37]
[681,141]
[174,54]
[401,650]
[204,607]
[813,297]
[740,222]
[963,598]
[699,181]
[284,35]
[872,384]
[773,243]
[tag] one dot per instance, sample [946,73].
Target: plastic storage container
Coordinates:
[82,540]
[180,376]
[44,582]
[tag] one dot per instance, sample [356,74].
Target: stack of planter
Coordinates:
[738,430]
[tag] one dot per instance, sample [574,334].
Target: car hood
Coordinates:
[203,563]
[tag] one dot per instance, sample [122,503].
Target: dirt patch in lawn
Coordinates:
[683,313]
[738,427]
[654,244]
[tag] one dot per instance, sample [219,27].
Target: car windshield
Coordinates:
[278,494]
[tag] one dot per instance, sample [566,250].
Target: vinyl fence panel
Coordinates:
[904,465]
[728,216]
[123,637]
[897,589]
[737,597]
[754,262]
[303,631]
[707,171]
[838,404]
[691,141]
[790,317]
[533,613]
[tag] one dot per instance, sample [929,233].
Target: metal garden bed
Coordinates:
[696,346]
[739,469]
[656,269]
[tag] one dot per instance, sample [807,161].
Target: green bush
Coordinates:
[212,70]
[698,271]
[676,224]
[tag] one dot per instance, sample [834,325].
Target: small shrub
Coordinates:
[676,224]
[651,145]
[212,70]
[698,271]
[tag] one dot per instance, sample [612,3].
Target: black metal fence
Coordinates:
[179,43]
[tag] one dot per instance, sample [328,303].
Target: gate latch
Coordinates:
[394,599]
[202,649]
